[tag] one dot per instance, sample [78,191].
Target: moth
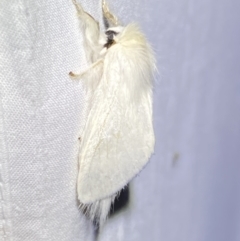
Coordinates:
[118,137]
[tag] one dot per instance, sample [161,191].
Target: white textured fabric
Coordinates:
[40,118]
[190,190]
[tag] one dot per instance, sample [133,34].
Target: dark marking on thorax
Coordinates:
[109,43]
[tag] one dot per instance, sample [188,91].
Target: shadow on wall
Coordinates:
[120,203]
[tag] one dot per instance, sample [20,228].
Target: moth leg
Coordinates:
[93,69]
[109,17]
[91,32]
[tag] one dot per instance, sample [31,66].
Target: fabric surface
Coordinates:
[40,118]
[189,191]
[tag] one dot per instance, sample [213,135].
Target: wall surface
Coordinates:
[190,191]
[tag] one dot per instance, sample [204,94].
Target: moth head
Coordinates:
[110,37]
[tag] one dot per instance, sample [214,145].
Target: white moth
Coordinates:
[118,138]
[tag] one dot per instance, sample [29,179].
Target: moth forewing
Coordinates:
[118,138]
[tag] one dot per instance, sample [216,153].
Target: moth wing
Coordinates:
[118,138]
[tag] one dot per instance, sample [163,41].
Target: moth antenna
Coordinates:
[78,6]
[111,18]
[81,13]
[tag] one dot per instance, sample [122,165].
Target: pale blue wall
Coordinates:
[197,116]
